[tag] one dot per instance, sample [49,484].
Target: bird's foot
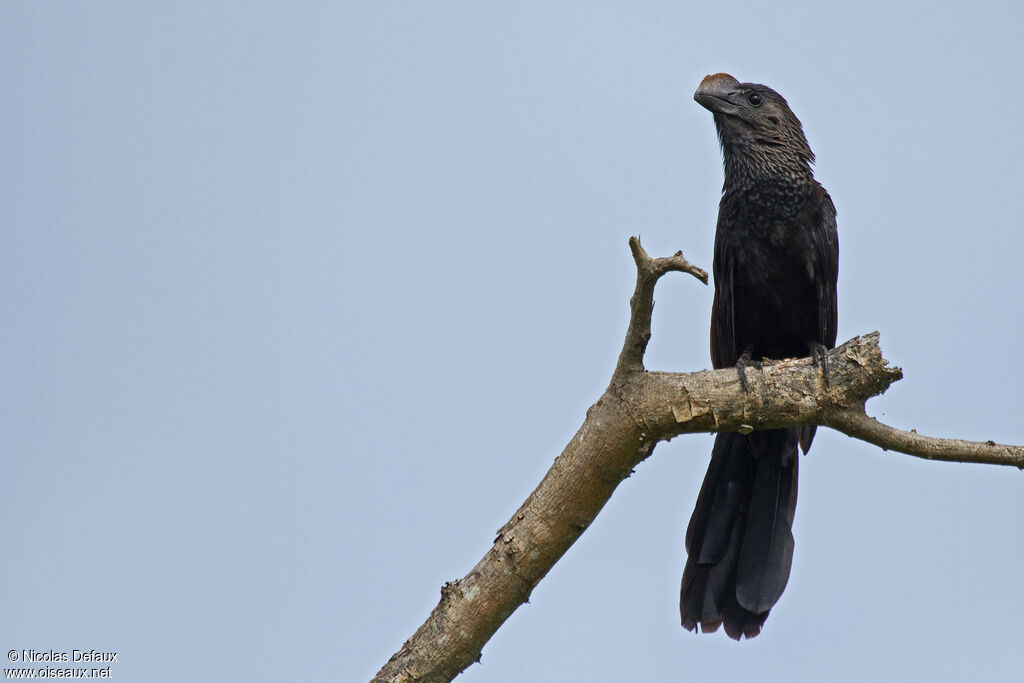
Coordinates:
[819,355]
[742,363]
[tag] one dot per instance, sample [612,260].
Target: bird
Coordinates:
[776,264]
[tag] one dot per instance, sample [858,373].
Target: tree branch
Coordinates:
[641,304]
[637,410]
[856,423]
[791,392]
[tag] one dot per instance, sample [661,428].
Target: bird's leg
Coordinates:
[819,355]
[742,363]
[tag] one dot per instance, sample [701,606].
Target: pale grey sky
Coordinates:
[300,300]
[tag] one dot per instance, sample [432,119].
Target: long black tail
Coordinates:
[740,538]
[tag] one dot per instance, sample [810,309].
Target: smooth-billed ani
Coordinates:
[775,267]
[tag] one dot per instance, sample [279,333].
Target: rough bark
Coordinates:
[638,409]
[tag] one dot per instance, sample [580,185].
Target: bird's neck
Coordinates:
[769,172]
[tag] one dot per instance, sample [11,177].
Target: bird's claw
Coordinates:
[742,363]
[819,355]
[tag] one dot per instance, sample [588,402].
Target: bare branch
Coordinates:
[641,304]
[793,392]
[856,423]
[783,394]
[637,410]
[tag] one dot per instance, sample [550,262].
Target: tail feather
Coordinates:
[705,589]
[740,539]
[807,436]
[727,488]
[767,553]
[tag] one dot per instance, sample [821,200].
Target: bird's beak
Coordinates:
[715,93]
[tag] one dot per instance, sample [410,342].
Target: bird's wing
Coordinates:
[826,243]
[723,311]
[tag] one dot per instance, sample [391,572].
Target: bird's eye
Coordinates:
[755,99]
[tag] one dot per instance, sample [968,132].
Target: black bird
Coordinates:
[776,264]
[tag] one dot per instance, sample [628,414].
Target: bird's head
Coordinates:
[754,123]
